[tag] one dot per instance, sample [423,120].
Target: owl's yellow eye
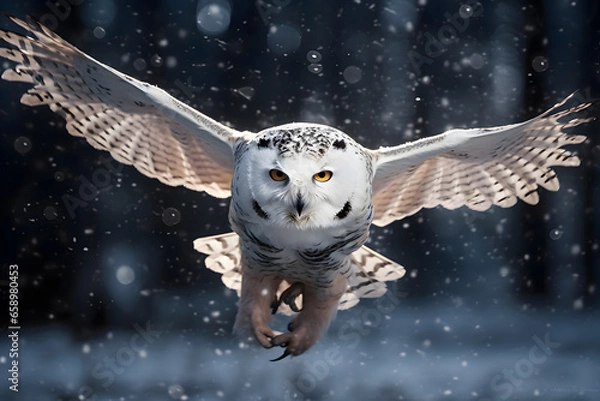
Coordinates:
[278,175]
[323,176]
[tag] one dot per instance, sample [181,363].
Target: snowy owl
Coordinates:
[303,196]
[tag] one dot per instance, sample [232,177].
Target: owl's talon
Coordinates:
[265,336]
[289,296]
[293,306]
[282,340]
[275,305]
[285,354]
[295,343]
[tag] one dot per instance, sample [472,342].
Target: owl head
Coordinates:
[304,175]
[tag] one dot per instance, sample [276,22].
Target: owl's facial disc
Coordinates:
[306,176]
[296,193]
[303,192]
[298,190]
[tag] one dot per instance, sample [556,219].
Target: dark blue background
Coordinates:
[482,289]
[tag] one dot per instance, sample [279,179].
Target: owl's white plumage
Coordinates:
[303,195]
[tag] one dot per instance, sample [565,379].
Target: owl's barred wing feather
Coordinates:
[477,168]
[368,270]
[139,124]
[223,257]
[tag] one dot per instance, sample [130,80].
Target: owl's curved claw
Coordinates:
[285,354]
[275,305]
[295,342]
[288,297]
[293,306]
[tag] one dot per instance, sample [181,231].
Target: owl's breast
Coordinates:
[314,255]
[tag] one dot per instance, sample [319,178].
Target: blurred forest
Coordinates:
[478,288]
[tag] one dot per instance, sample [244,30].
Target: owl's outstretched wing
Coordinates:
[137,123]
[477,168]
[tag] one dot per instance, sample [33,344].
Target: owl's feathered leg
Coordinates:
[257,295]
[319,306]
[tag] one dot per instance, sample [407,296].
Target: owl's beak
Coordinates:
[299,205]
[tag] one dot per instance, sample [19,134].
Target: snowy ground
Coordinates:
[381,350]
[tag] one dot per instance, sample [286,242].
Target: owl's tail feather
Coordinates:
[366,276]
